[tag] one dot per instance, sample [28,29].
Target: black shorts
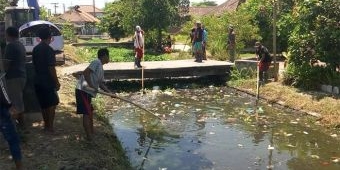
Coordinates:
[47,97]
[83,100]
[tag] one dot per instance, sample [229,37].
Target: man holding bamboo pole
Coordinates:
[87,87]
[139,46]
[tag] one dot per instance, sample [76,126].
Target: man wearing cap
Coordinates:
[231,44]
[264,58]
[197,40]
[138,44]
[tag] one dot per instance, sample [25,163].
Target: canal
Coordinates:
[215,128]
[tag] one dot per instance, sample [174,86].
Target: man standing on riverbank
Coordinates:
[264,58]
[46,80]
[231,44]
[90,81]
[197,40]
[139,46]
[15,53]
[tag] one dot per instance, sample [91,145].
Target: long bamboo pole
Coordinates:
[143,91]
[128,101]
[257,89]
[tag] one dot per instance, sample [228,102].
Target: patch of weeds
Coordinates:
[99,106]
[239,77]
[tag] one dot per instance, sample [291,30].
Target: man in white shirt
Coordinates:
[90,81]
[139,46]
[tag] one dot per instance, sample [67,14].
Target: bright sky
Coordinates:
[99,3]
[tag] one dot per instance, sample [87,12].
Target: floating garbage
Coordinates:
[211,133]
[270,147]
[315,156]
[168,93]
[231,120]
[270,166]
[304,132]
[288,134]
[260,110]
[177,105]
[291,146]
[240,145]
[334,135]
[250,110]
[294,122]
[336,160]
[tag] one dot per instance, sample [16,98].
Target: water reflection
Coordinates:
[216,129]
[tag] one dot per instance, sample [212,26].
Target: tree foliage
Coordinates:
[43,13]
[3,4]
[314,38]
[122,16]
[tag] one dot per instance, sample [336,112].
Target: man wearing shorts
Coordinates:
[264,58]
[46,80]
[87,86]
[15,53]
[198,42]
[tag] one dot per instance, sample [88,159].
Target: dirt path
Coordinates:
[67,148]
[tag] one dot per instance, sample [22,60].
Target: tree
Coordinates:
[205,3]
[112,20]
[43,13]
[122,16]
[315,37]
[3,4]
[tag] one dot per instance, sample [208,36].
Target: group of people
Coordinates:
[46,86]
[198,39]
[13,81]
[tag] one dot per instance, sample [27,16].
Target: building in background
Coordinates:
[83,18]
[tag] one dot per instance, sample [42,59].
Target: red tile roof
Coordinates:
[229,5]
[200,11]
[89,9]
[78,16]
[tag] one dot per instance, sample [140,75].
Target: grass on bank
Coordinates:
[307,101]
[87,54]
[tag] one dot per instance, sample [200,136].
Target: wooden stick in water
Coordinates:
[257,88]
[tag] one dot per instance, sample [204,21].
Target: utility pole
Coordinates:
[274,39]
[55,4]
[64,8]
[94,15]
[94,8]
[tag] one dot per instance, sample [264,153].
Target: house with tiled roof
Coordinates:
[90,10]
[84,22]
[228,6]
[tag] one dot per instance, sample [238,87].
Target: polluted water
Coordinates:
[216,129]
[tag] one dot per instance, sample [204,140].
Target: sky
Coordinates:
[67,3]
